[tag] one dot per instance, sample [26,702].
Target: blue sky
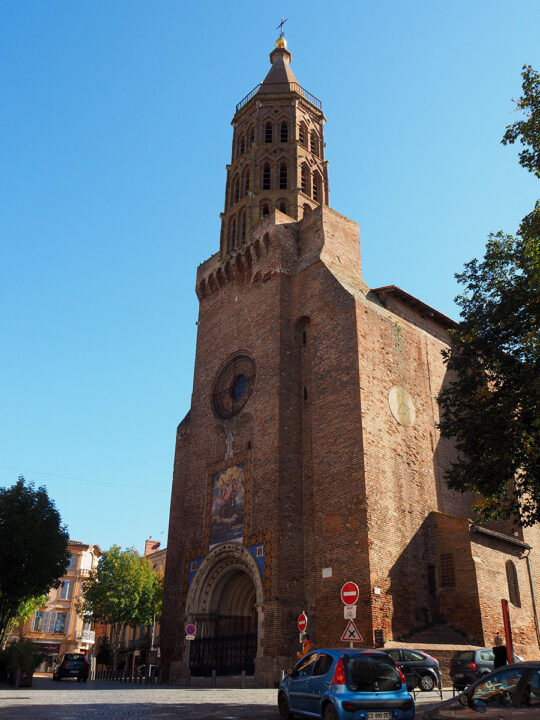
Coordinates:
[115,135]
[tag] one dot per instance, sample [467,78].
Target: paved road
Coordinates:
[98,700]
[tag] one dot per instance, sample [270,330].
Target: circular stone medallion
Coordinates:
[402,406]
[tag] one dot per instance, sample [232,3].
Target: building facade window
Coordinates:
[50,622]
[71,563]
[284,132]
[268,132]
[302,134]
[314,143]
[448,576]
[265,209]
[283,176]
[236,189]
[283,207]
[513,585]
[304,180]
[317,194]
[64,591]
[266,177]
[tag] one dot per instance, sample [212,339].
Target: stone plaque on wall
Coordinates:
[402,406]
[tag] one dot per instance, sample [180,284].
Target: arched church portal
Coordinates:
[225,600]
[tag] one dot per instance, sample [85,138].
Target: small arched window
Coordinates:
[246,181]
[513,585]
[265,209]
[314,143]
[284,132]
[283,207]
[236,189]
[283,176]
[243,227]
[268,132]
[251,135]
[266,177]
[242,144]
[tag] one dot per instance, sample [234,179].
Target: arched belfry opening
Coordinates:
[225,601]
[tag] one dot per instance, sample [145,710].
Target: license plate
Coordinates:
[383,715]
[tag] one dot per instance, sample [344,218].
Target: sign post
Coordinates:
[349,598]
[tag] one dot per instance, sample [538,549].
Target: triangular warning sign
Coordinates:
[351,633]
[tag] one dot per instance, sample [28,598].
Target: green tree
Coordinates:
[123,590]
[34,548]
[491,407]
[25,610]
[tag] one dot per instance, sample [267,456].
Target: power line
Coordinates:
[85,480]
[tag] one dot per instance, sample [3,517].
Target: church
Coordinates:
[310,455]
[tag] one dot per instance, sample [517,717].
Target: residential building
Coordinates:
[57,627]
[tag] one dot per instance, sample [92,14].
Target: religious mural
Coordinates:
[227,510]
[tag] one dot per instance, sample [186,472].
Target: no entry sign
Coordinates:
[349,593]
[302,622]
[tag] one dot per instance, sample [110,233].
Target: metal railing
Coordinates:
[278,88]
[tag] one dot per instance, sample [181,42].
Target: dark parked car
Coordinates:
[468,665]
[420,669]
[345,684]
[508,693]
[72,665]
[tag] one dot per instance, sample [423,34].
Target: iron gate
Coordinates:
[227,655]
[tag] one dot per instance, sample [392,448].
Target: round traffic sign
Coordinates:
[302,622]
[190,629]
[350,593]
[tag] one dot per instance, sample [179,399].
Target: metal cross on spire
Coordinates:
[280,26]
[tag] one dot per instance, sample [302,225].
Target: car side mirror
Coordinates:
[290,671]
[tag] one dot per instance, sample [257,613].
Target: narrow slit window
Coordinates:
[284,132]
[283,176]
[265,209]
[314,143]
[266,177]
[268,132]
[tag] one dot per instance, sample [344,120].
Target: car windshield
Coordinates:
[372,673]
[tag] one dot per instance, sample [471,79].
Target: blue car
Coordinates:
[343,684]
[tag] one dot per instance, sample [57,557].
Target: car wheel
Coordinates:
[329,712]
[283,707]
[426,683]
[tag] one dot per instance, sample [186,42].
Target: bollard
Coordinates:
[213,678]
[243,681]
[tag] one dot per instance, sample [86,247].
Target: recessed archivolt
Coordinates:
[210,583]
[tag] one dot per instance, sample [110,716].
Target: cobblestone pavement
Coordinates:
[99,700]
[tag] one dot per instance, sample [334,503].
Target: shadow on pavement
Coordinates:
[140,711]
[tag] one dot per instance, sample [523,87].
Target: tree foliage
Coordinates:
[123,590]
[34,548]
[492,406]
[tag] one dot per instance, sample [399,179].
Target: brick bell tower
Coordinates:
[276,342]
[277,159]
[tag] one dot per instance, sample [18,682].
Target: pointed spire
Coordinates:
[280,73]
